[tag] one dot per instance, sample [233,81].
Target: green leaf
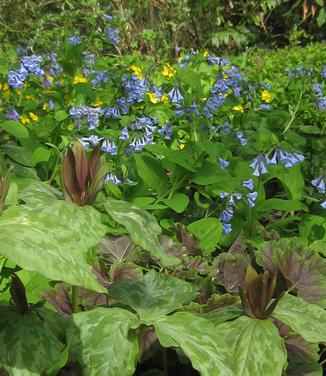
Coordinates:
[151,172]
[61,115]
[28,346]
[279,204]
[313,227]
[52,240]
[308,320]
[102,342]
[142,227]
[15,128]
[18,154]
[39,192]
[177,202]
[154,295]
[200,341]
[40,154]
[257,346]
[208,231]
[292,180]
[221,315]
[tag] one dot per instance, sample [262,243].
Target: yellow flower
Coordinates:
[18,92]
[70,127]
[181,146]
[206,54]
[29,97]
[49,77]
[266,96]
[80,79]
[165,98]
[168,71]
[33,116]
[97,103]
[137,71]
[238,108]
[4,86]
[153,98]
[24,119]
[46,107]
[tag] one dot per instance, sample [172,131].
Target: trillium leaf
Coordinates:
[200,341]
[102,342]
[257,346]
[142,227]
[299,265]
[308,320]
[154,295]
[52,240]
[28,346]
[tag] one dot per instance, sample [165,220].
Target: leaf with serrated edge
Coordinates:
[28,347]
[200,341]
[257,346]
[306,319]
[101,341]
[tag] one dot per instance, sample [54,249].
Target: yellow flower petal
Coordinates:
[33,116]
[137,71]
[80,79]
[238,108]
[168,71]
[152,97]
[266,96]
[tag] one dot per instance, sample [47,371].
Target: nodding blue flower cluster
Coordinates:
[280,156]
[75,40]
[134,89]
[28,65]
[228,213]
[12,114]
[55,68]
[113,35]
[228,81]
[92,116]
[298,72]
[321,98]
[319,184]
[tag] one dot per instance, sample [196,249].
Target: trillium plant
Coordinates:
[160,217]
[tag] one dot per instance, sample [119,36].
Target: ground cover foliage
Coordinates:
[162,216]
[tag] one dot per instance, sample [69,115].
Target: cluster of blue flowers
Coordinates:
[28,65]
[227,214]
[321,98]
[319,184]
[75,40]
[280,156]
[92,116]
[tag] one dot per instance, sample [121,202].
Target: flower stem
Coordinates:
[74,299]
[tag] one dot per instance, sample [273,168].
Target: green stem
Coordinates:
[294,114]
[74,299]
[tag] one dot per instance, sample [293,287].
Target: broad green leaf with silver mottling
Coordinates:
[102,341]
[154,295]
[28,347]
[39,192]
[306,319]
[48,242]
[223,314]
[142,227]
[257,346]
[198,338]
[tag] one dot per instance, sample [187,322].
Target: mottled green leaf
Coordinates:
[154,295]
[221,315]
[102,342]
[28,346]
[257,346]
[200,341]
[52,241]
[39,192]
[308,320]
[142,228]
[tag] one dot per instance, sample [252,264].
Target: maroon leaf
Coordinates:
[303,269]
[229,270]
[177,250]
[59,298]
[147,337]
[115,247]
[124,270]
[238,245]
[190,243]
